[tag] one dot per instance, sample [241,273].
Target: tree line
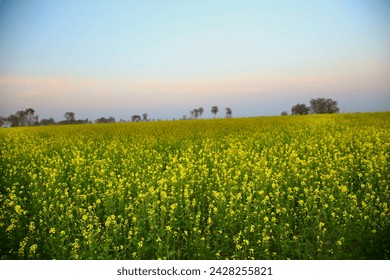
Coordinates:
[29,118]
[317,106]
[198,112]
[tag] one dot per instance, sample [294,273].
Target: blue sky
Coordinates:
[119,58]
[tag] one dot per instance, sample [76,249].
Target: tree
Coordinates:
[300,109]
[14,120]
[145,117]
[323,106]
[135,118]
[47,121]
[195,113]
[69,117]
[284,113]
[23,118]
[31,119]
[214,110]
[104,120]
[200,111]
[228,112]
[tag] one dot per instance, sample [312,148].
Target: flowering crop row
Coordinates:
[297,187]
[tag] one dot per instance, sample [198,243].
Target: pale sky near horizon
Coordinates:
[120,58]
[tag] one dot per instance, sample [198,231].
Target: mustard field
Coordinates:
[293,187]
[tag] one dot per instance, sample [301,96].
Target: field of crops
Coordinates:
[294,187]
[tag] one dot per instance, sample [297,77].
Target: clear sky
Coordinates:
[120,58]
